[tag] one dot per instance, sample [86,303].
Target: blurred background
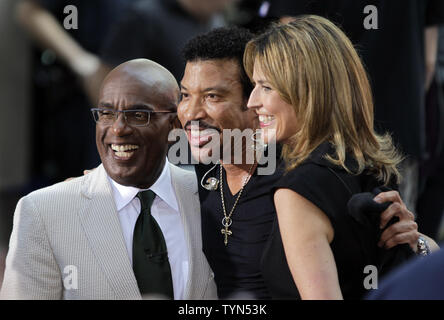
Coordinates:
[55,53]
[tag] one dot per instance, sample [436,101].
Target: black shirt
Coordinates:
[354,246]
[237,266]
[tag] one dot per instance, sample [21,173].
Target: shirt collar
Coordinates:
[162,188]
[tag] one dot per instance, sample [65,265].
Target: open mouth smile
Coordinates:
[124,151]
[265,120]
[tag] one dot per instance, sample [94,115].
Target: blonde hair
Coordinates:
[314,67]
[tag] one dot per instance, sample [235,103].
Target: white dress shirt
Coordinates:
[165,211]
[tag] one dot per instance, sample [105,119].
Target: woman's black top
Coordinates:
[354,246]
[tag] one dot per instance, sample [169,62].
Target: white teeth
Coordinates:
[124,154]
[121,148]
[265,119]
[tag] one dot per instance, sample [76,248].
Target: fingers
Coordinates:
[389,213]
[398,210]
[405,231]
[407,238]
[389,196]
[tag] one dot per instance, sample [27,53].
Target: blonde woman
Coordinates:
[312,90]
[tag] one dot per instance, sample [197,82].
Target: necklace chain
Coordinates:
[226,220]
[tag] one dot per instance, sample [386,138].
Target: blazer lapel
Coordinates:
[189,208]
[101,224]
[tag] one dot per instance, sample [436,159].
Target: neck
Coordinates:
[236,175]
[249,156]
[234,170]
[246,155]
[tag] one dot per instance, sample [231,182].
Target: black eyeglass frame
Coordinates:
[95,111]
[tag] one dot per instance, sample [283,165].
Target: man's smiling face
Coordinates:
[134,155]
[212,94]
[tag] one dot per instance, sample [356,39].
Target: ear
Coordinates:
[174,124]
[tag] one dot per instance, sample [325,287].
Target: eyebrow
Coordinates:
[261,81]
[139,106]
[219,89]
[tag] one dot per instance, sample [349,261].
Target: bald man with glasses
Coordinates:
[131,228]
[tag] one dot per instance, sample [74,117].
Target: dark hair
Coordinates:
[221,43]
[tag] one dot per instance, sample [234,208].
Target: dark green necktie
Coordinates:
[150,257]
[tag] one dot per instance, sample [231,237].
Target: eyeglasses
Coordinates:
[136,118]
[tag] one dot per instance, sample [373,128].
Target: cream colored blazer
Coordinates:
[67,243]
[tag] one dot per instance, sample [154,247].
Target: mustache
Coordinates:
[201,125]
